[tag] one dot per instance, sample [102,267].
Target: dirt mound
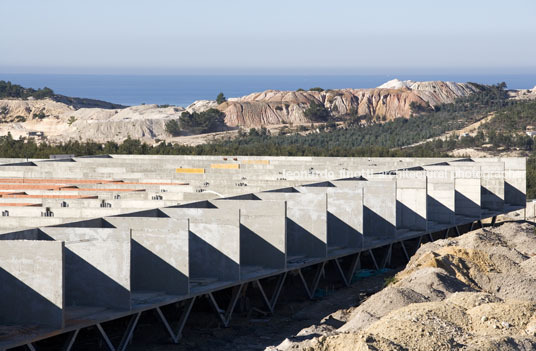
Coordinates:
[474,292]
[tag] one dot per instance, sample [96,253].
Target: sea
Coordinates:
[182,90]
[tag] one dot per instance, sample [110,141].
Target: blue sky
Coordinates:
[235,36]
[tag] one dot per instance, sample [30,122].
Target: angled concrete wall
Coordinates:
[345,215]
[262,233]
[467,185]
[214,244]
[515,184]
[306,223]
[440,197]
[160,258]
[411,201]
[32,283]
[379,212]
[97,266]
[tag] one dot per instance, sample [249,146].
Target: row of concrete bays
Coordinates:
[62,275]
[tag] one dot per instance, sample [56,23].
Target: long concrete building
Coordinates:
[88,240]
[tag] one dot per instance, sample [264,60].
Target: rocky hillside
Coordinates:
[72,119]
[474,292]
[390,100]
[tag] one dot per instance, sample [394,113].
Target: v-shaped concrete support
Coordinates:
[177,335]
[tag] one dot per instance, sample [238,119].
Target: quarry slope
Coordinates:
[473,292]
[61,121]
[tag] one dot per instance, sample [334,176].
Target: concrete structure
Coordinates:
[97,239]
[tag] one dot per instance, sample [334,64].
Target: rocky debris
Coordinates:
[474,292]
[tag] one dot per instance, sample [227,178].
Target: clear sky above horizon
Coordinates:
[253,37]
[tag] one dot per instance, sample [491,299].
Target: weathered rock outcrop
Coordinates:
[390,100]
[63,121]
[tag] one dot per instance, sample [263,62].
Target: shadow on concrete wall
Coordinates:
[22,305]
[256,251]
[340,234]
[86,285]
[490,201]
[512,196]
[438,212]
[465,206]
[301,242]
[206,261]
[376,229]
[406,218]
[151,273]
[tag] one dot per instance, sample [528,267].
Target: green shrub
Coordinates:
[317,112]
[173,128]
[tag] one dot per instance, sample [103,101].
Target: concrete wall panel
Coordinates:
[306,222]
[31,283]
[97,266]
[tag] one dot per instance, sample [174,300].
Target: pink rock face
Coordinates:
[277,107]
